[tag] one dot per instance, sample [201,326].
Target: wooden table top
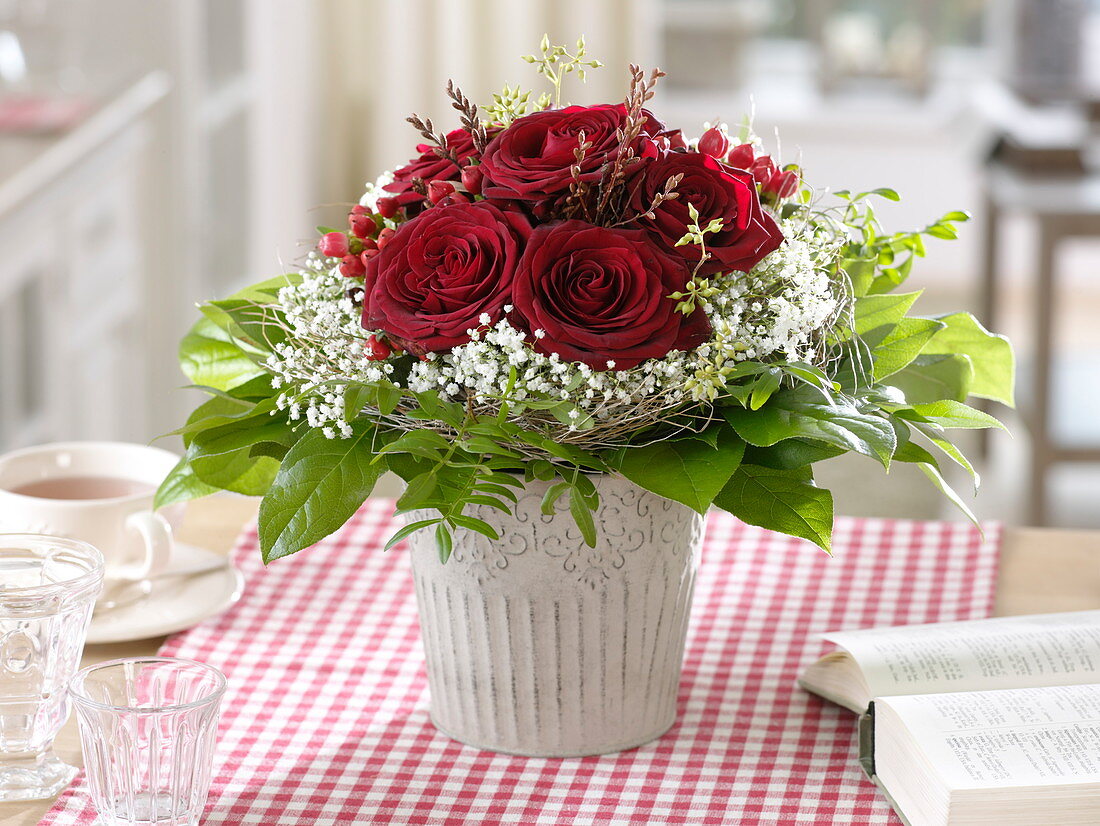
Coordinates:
[1041,570]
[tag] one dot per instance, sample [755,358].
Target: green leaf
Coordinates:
[933,473]
[582,515]
[417,491]
[784,501]
[321,483]
[994,362]
[689,471]
[209,356]
[410,528]
[875,311]
[238,471]
[902,344]
[953,414]
[426,443]
[443,541]
[950,450]
[223,456]
[383,396]
[472,523]
[791,453]
[260,327]
[220,411]
[763,389]
[792,415]
[931,378]
[181,485]
[551,497]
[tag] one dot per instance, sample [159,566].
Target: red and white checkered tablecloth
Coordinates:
[326,719]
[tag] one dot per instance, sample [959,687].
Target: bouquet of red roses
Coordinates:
[551,292]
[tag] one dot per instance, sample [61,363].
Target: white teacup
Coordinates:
[98,492]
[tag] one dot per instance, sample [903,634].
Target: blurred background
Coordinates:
[155,153]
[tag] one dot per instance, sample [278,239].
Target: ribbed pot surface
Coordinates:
[537,644]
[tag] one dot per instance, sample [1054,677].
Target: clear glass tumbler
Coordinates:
[48,588]
[148,727]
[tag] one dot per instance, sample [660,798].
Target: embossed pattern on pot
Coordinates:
[537,644]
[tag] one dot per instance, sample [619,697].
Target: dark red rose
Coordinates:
[440,271]
[430,167]
[531,159]
[602,295]
[718,192]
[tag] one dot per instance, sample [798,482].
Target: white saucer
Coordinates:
[173,604]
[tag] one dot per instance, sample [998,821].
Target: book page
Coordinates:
[1012,737]
[1005,652]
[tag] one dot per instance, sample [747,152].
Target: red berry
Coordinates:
[367,255]
[762,169]
[334,244]
[740,157]
[782,184]
[714,143]
[352,267]
[377,350]
[438,190]
[387,207]
[472,179]
[384,237]
[370,244]
[362,225]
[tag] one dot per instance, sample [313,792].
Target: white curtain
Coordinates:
[389,59]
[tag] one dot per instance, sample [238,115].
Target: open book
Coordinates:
[985,722]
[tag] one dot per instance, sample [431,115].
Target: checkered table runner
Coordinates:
[326,720]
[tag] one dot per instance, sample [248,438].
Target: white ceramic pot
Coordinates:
[538,645]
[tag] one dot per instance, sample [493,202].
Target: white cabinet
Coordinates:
[75,277]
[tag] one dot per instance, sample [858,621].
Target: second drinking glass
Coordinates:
[148,728]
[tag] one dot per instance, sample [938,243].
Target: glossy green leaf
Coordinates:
[689,471]
[934,475]
[321,483]
[902,344]
[779,500]
[931,378]
[209,356]
[875,311]
[991,354]
[582,515]
[181,485]
[952,414]
[797,416]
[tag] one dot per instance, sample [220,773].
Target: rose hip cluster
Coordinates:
[568,224]
[356,248]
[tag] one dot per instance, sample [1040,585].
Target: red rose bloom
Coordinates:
[601,295]
[440,271]
[531,159]
[430,167]
[717,191]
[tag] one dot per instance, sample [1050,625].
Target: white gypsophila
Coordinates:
[324,348]
[777,312]
[374,191]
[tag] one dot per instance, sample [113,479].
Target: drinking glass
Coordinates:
[148,727]
[48,587]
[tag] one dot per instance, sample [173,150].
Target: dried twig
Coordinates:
[579,189]
[669,193]
[468,115]
[438,140]
[641,90]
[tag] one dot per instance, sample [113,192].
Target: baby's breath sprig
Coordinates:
[557,61]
